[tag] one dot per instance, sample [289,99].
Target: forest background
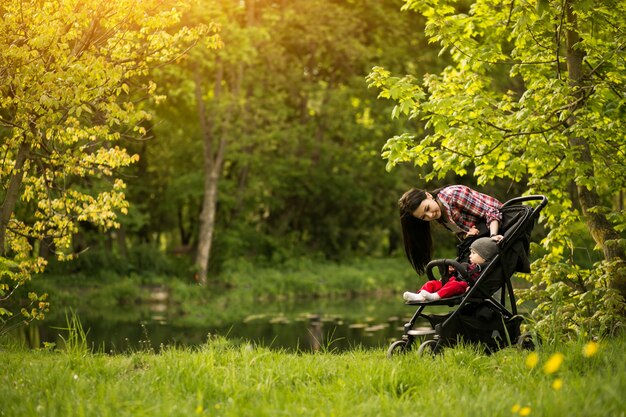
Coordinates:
[195,139]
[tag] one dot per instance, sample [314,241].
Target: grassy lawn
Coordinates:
[219,379]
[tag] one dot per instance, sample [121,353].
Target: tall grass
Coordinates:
[75,340]
[219,379]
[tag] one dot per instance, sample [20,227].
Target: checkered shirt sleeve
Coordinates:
[466,207]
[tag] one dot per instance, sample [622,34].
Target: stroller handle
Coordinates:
[444,263]
[516,200]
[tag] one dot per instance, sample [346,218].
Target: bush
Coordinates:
[104,264]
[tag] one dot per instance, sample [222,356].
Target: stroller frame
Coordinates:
[446,329]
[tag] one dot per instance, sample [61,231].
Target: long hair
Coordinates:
[418,242]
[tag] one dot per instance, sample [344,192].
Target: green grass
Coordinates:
[219,379]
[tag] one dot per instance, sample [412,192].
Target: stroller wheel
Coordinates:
[399,347]
[525,341]
[427,348]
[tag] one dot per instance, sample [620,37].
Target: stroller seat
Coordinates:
[481,315]
[449,301]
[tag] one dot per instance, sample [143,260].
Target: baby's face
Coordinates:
[476,258]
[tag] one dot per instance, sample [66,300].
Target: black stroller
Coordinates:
[480,318]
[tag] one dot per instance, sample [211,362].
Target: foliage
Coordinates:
[534,95]
[32,306]
[300,177]
[73,76]
[100,265]
[568,304]
[307,278]
[221,379]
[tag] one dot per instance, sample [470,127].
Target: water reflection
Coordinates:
[294,326]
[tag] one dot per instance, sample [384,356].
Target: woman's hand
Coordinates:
[497,238]
[473,231]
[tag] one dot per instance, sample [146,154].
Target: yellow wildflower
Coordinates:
[524,411]
[590,349]
[531,360]
[557,384]
[553,364]
[515,409]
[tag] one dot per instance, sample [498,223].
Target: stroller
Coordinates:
[480,318]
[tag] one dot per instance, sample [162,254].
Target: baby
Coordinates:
[482,251]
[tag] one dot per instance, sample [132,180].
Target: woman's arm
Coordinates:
[494,227]
[467,207]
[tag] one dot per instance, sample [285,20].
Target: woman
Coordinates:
[456,207]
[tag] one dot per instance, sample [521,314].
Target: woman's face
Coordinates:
[428,210]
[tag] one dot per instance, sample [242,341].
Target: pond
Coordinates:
[309,325]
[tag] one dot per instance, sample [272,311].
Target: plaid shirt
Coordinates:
[466,207]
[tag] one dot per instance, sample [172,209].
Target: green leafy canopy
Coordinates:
[514,104]
[73,79]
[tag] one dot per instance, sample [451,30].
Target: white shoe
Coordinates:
[412,296]
[432,296]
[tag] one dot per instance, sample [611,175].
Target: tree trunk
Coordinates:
[214,158]
[207,214]
[183,231]
[599,226]
[12,193]
[213,161]
[207,224]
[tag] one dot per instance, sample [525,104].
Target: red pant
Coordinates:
[452,287]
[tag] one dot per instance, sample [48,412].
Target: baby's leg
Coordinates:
[452,288]
[432,286]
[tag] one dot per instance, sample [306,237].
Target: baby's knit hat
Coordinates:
[486,247]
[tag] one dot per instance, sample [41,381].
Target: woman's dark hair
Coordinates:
[418,243]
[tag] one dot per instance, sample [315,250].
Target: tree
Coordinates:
[274,111]
[535,93]
[73,77]
[296,175]
[311,187]
[207,112]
